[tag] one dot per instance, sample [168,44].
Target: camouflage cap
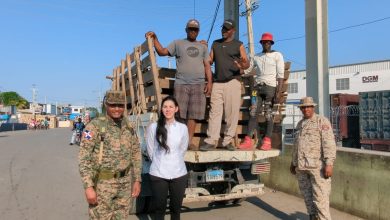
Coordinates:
[307,101]
[114,97]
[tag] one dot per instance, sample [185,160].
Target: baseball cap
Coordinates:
[228,24]
[115,97]
[193,23]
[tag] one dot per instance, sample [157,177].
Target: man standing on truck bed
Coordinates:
[269,77]
[110,162]
[230,58]
[193,64]
[314,153]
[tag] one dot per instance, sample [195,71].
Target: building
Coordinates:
[343,79]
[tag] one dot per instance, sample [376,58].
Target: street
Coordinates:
[39,180]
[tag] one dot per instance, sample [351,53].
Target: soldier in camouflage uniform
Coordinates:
[314,153]
[110,162]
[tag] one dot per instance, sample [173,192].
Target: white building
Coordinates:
[347,79]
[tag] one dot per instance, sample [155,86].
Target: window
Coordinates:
[342,84]
[292,88]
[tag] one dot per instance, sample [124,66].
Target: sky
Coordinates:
[65,48]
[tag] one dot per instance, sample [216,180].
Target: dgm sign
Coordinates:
[370,79]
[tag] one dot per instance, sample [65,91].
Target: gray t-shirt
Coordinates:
[189,61]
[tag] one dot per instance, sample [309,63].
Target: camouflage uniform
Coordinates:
[314,147]
[121,157]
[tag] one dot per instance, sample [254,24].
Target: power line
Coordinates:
[215,17]
[340,29]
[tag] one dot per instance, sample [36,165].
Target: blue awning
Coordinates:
[4,117]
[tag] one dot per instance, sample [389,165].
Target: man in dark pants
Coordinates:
[230,58]
[269,77]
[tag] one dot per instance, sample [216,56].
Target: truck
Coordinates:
[214,176]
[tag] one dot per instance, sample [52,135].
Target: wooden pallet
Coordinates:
[145,85]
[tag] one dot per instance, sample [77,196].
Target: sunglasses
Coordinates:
[116,106]
[266,42]
[193,29]
[303,107]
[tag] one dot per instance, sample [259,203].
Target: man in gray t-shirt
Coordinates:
[193,66]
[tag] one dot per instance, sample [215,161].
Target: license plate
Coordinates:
[214,175]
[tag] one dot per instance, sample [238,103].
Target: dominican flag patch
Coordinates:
[87,135]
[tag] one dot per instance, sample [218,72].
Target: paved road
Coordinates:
[39,180]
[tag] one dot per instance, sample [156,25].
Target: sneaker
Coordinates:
[207,147]
[193,147]
[70,143]
[230,147]
[246,144]
[266,144]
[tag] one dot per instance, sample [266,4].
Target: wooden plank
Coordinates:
[166,73]
[166,83]
[113,80]
[123,63]
[151,104]
[287,65]
[148,77]
[144,47]
[130,80]
[146,63]
[140,79]
[150,91]
[286,74]
[118,78]
[155,71]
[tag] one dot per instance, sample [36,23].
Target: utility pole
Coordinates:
[317,70]
[34,97]
[248,6]
[231,12]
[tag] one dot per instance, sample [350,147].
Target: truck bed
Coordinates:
[223,155]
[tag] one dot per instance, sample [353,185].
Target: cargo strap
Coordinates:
[108,174]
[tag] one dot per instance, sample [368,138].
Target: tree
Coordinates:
[13,98]
[93,112]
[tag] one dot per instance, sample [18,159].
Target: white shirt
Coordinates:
[168,165]
[269,67]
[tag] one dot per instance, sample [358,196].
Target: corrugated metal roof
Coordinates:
[349,68]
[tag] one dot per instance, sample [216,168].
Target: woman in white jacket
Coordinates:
[167,142]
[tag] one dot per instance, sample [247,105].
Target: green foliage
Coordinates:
[13,98]
[94,112]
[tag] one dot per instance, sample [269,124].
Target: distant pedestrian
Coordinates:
[110,162]
[193,67]
[230,59]
[78,128]
[314,153]
[167,142]
[269,66]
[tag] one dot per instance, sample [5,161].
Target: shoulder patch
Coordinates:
[325,127]
[88,134]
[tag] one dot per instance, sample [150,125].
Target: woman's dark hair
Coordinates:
[161,131]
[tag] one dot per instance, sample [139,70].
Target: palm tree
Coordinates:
[13,98]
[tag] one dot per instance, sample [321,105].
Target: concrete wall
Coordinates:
[360,183]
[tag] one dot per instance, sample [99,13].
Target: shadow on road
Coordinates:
[275,212]
[1,136]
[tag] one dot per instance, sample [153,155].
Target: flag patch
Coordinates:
[87,135]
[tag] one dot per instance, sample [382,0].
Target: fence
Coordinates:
[366,127]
